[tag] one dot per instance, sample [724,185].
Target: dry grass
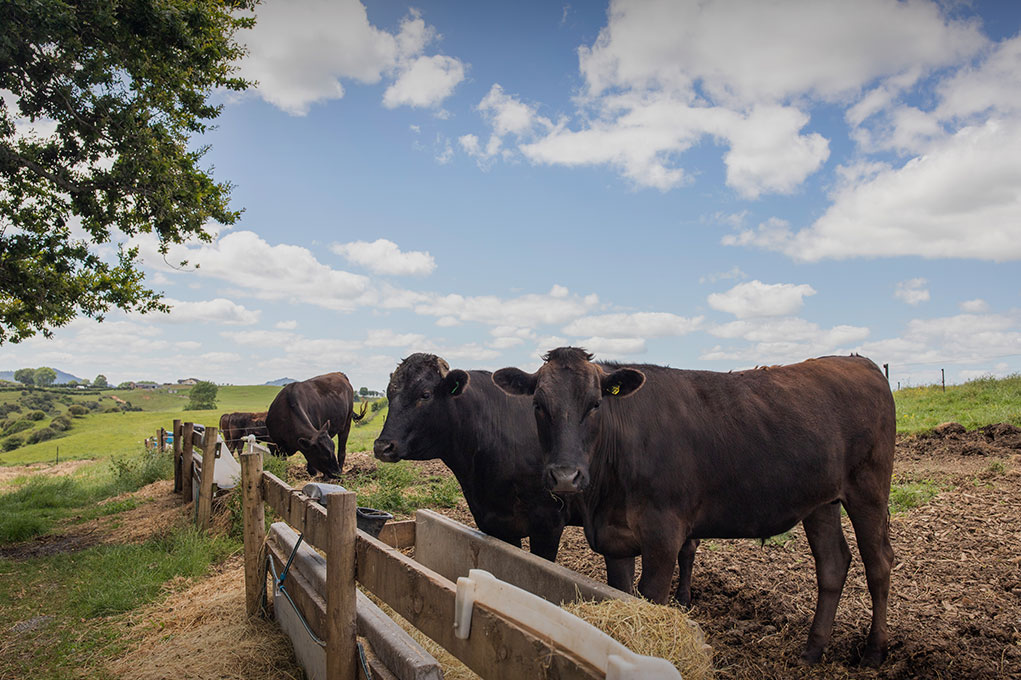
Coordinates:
[202,632]
[652,630]
[11,472]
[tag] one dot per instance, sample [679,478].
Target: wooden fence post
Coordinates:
[187,451]
[205,503]
[162,440]
[254,516]
[177,455]
[341,615]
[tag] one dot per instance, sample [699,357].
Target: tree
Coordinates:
[100,381]
[202,396]
[44,376]
[126,85]
[25,376]
[363,391]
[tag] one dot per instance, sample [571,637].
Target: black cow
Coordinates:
[662,457]
[306,415]
[235,428]
[488,440]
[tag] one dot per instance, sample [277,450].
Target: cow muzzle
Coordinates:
[386,450]
[565,480]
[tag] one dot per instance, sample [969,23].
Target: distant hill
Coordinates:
[280,382]
[62,378]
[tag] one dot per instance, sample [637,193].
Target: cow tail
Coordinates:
[359,416]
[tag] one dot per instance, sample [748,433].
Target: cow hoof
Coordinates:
[873,658]
[811,657]
[683,599]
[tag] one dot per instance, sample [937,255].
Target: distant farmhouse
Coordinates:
[188,381]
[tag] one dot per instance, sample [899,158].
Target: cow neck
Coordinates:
[612,466]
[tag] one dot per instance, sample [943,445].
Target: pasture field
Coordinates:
[983,401]
[97,557]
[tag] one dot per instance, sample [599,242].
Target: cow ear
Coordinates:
[622,382]
[304,444]
[325,427]
[515,382]
[454,383]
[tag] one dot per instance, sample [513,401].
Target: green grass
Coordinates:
[79,595]
[401,488]
[34,505]
[909,495]
[984,401]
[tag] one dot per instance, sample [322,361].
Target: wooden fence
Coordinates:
[324,611]
[193,453]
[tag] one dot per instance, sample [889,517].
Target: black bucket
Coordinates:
[371,521]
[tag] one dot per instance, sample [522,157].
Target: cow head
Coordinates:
[419,394]
[318,450]
[566,392]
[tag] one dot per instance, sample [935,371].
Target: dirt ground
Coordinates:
[955,602]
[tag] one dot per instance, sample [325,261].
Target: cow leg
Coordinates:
[686,562]
[832,558]
[545,544]
[658,559]
[620,573]
[870,515]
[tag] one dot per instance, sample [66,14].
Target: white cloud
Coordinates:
[957,200]
[386,337]
[556,307]
[976,306]
[382,256]
[613,348]
[301,51]
[781,340]
[960,339]
[261,338]
[425,83]
[637,325]
[756,299]
[286,325]
[268,272]
[663,76]
[912,291]
[218,310]
[767,52]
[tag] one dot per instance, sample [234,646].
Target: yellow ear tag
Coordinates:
[615,389]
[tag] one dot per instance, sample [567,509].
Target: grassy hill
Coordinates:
[101,434]
[984,401]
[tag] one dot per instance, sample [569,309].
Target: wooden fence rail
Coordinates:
[324,612]
[189,481]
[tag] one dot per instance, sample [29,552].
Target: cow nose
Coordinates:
[385,450]
[565,479]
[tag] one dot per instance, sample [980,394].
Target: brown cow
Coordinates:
[305,416]
[663,457]
[235,428]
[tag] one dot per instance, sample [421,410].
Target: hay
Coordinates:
[652,630]
[202,632]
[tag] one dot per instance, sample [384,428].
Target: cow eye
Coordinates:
[538,408]
[591,409]
[426,395]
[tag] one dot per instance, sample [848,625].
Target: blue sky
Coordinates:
[711,185]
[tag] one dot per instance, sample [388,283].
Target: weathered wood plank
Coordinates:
[296,511]
[316,530]
[253,514]
[276,493]
[399,651]
[187,448]
[341,606]
[497,649]
[451,548]
[205,502]
[398,534]
[177,455]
